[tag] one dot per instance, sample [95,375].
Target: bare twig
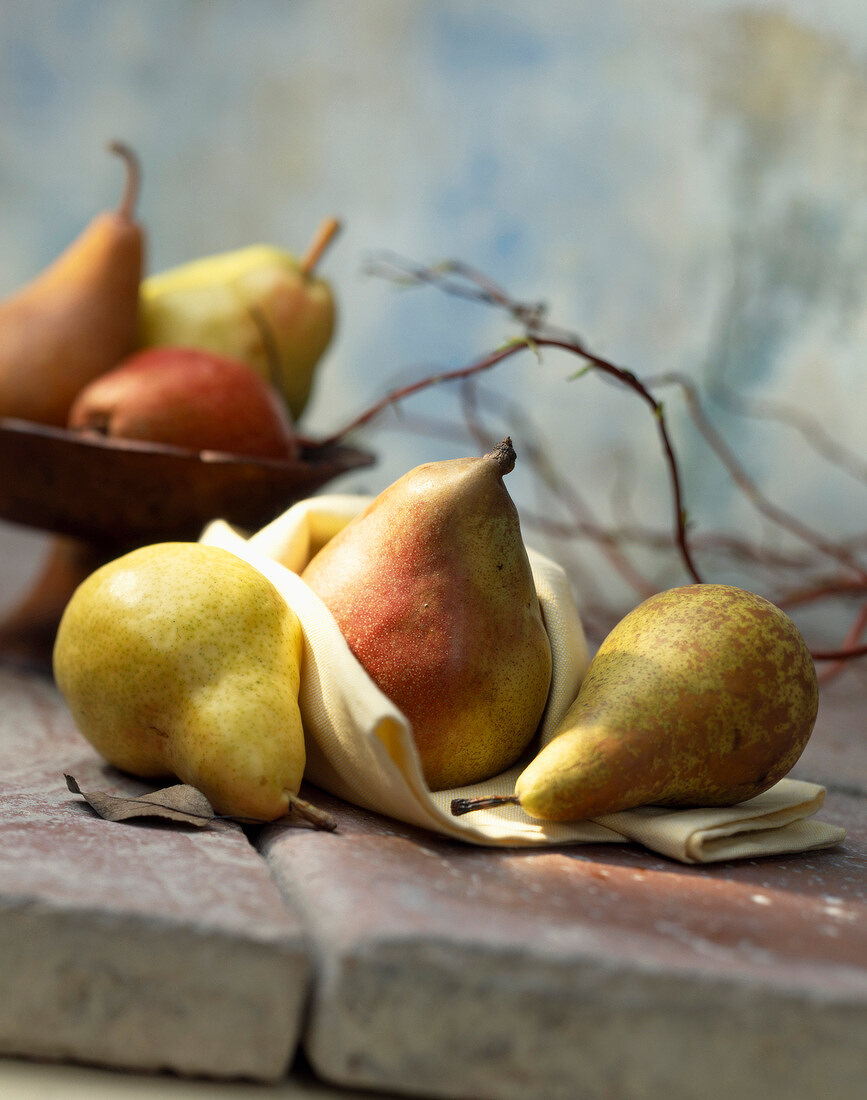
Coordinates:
[748,486]
[565,343]
[462,280]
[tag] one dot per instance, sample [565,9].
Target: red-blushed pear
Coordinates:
[432,589]
[77,318]
[190,399]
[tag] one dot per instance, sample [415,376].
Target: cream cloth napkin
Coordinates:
[360,746]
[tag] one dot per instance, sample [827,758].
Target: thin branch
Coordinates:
[809,427]
[568,343]
[850,648]
[749,487]
[458,279]
[464,281]
[567,495]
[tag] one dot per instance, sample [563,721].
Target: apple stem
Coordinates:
[322,238]
[461,806]
[128,200]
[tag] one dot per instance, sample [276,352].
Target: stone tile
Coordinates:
[444,970]
[441,970]
[146,946]
[21,1080]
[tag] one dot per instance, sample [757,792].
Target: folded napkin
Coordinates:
[360,746]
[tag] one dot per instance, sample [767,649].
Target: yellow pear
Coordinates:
[258,304]
[432,589]
[77,319]
[703,695]
[179,659]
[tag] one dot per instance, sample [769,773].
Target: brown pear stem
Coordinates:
[126,209]
[322,238]
[504,455]
[308,812]
[318,819]
[461,806]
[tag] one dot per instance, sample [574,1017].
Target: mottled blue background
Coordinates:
[683,181]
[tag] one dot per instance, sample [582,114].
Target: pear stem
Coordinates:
[461,806]
[126,209]
[322,238]
[504,456]
[306,810]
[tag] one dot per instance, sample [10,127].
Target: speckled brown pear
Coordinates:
[432,589]
[702,696]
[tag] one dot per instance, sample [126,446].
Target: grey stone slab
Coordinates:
[148,946]
[449,971]
[22,1080]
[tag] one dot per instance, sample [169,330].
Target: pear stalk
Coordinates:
[129,198]
[322,238]
[319,819]
[461,806]
[504,455]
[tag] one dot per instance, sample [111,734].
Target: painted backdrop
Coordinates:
[684,183]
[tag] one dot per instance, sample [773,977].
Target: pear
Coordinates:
[77,318]
[432,589]
[258,304]
[703,695]
[180,659]
[191,399]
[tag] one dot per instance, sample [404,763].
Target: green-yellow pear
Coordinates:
[258,304]
[181,659]
[77,318]
[703,695]
[432,589]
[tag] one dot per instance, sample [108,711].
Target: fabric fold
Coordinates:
[360,746]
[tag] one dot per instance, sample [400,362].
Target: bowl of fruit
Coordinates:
[135,409]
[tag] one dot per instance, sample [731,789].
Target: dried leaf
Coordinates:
[181,803]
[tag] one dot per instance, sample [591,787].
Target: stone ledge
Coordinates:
[144,946]
[446,971]
[441,970]
[448,1020]
[138,993]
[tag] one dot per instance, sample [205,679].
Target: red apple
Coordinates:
[188,398]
